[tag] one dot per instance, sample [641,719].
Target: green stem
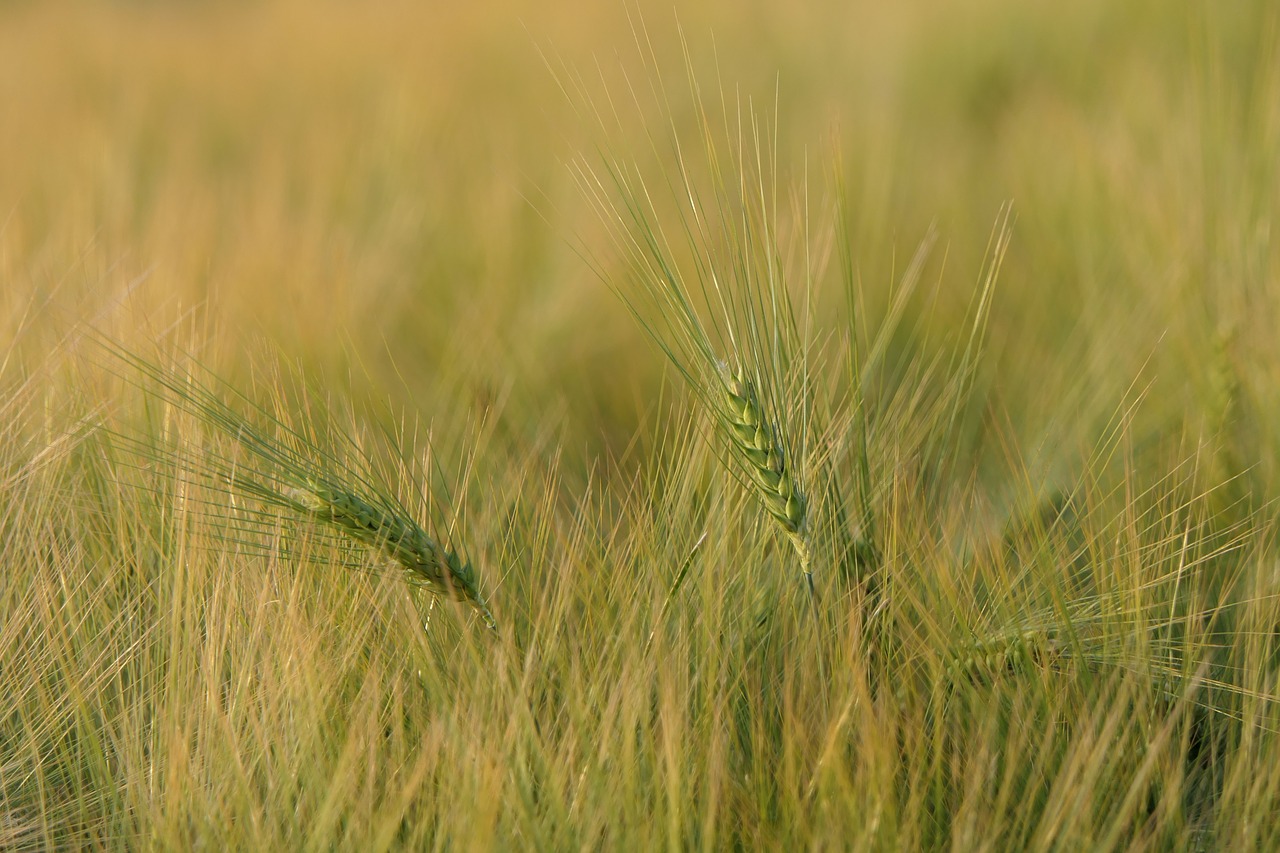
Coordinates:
[801,544]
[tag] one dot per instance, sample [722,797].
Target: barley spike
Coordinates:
[424,560]
[759,443]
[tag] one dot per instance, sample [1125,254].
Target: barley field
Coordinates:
[592,426]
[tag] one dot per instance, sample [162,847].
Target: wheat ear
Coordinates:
[767,461]
[401,539]
[283,468]
[988,658]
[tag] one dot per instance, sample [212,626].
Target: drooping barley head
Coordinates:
[424,560]
[286,468]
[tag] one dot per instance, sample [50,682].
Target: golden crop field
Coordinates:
[593,426]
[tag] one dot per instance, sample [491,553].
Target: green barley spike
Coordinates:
[766,462]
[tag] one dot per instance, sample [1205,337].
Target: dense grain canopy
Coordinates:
[855,422]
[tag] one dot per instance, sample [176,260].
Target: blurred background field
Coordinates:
[387,181]
[379,194]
